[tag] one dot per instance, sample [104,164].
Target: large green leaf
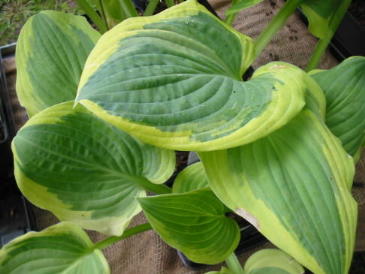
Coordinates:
[322,14]
[191,178]
[51,52]
[267,261]
[85,170]
[344,87]
[194,223]
[62,248]
[167,81]
[294,187]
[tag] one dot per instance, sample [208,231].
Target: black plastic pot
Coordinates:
[15,214]
[349,39]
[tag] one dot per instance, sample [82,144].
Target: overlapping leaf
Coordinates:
[85,170]
[62,248]
[194,223]
[191,178]
[272,261]
[344,87]
[51,52]
[294,187]
[267,261]
[167,81]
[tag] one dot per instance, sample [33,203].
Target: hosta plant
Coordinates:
[107,112]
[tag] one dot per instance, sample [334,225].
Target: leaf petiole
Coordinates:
[93,15]
[151,7]
[230,18]
[234,264]
[128,233]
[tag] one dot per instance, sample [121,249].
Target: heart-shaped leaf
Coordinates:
[322,14]
[167,81]
[62,248]
[191,178]
[51,52]
[194,223]
[84,170]
[344,87]
[294,187]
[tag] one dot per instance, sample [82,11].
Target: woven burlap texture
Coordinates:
[146,253]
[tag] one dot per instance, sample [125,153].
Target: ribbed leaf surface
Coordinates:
[194,223]
[62,248]
[51,52]
[294,186]
[344,87]
[167,81]
[191,178]
[84,170]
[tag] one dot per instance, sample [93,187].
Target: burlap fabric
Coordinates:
[146,253]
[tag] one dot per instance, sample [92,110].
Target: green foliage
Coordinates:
[14,13]
[268,145]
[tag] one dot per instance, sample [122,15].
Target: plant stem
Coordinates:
[275,25]
[129,232]
[93,15]
[103,15]
[319,50]
[128,8]
[150,9]
[322,44]
[230,18]
[233,264]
